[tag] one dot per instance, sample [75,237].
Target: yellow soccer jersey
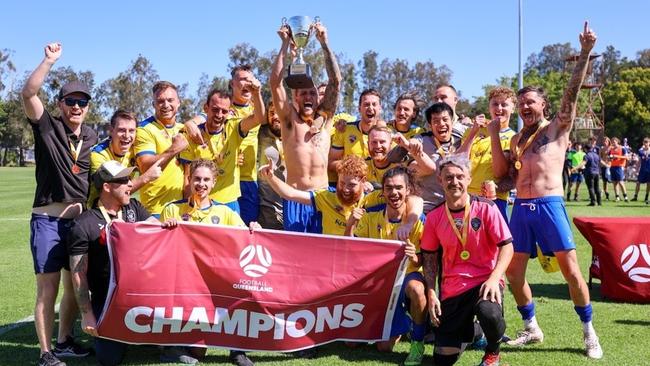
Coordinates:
[334,216]
[375,225]
[100,154]
[481,157]
[214,214]
[222,148]
[414,130]
[248,147]
[376,174]
[352,140]
[153,138]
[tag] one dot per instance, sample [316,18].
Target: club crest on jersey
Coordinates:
[215,219]
[476,223]
[352,139]
[185,217]
[130,215]
[459,223]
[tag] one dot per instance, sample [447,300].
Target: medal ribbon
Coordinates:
[461,237]
[75,151]
[107,217]
[520,151]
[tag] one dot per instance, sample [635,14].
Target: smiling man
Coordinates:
[158,141]
[539,217]
[306,125]
[119,147]
[433,146]
[62,146]
[223,136]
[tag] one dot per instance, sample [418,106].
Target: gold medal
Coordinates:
[464,255]
[462,237]
[517,164]
[519,151]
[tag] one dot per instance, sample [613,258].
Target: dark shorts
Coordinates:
[249,202]
[541,221]
[47,241]
[301,218]
[605,174]
[502,205]
[457,319]
[618,175]
[401,320]
[576,177]
[644,176]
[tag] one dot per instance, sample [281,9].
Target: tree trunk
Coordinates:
[21,156]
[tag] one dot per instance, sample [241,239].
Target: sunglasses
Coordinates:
[70,102]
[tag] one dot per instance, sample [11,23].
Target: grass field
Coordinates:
[624,329]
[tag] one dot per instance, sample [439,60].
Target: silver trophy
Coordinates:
[299,72]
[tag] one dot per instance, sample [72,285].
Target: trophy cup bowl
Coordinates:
[299,72]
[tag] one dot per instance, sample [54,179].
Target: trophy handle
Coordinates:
[284,21]
[316,20]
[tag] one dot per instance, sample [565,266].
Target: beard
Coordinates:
[350,200]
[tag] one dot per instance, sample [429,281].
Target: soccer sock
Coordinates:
[417,334]
[585,313]
[527,311]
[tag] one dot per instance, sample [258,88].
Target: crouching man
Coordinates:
[468,241]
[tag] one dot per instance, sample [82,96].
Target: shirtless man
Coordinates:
[539,216]
[305,130]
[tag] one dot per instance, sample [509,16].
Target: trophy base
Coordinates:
[299,77]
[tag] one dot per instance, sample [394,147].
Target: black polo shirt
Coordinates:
[88,237]
[55,181]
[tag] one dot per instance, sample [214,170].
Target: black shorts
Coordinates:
[457,319]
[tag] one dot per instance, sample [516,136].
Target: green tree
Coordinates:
[131,89]
[550,59]
[15,131]
[627,112]
[7,68]
[350,85]
[369,70]
[643,58]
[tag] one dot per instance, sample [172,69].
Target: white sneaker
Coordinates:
[592,347]
[527,336]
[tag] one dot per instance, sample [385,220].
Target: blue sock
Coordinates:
[584,312]
[417,334]
[527,311]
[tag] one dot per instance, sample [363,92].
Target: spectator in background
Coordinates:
[566,169]
[605,163]
[644,170]
[577,165]
[592,172]
[618,158]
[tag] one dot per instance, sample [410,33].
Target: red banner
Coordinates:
[621,248]
[266,290]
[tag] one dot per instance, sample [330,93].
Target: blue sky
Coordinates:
[477,40]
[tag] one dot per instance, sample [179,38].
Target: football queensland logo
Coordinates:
[255,260]
[631,264]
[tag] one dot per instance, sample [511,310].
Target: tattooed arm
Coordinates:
[430,269]
[330,100]
[79,269]
[569,99]
[278,93]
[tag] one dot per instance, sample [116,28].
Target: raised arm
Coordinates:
[279,95]
[569,99]
[330,100]
[500,158]
[259,111]
[31,103]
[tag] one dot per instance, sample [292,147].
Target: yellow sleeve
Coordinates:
[145,143]
[338,140]
[169,211]
[96,160]
[234,219]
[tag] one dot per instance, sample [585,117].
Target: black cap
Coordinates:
[74,87]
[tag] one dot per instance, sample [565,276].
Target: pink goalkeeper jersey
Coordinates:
[487,231]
